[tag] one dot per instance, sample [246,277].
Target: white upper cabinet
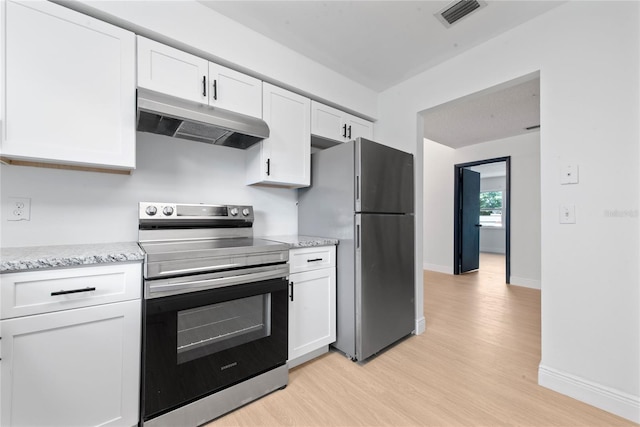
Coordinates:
[326,122]
[234,91]
[171,71]
[70,88]
[283,159]
[357,127]
[331,123]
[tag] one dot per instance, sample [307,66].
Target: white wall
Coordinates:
[191,26]
[588,57]
[83,207]
[438,200]
[439,162]
[525,200]
[69,207]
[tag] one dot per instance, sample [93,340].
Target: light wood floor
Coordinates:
[475,365]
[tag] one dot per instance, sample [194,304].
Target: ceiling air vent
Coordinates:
[455,11]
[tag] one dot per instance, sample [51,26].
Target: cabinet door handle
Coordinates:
[344,130]
[314,260]
[268,167]
[72,291]
[215,89]
[291,286]
[204,86]
[349,132]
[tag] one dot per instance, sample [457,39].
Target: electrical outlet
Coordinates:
[19,209]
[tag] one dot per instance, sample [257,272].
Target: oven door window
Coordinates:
[206,330]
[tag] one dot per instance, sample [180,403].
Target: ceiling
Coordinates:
[499,112]
[382,43]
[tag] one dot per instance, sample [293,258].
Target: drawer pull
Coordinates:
[314,260]
[72,291]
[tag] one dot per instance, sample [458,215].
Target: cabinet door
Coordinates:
[327,122]
[331,123]
[312,311]
[285,157]
[172,71]
[357,127]
[77,367]
[234,91]
[70,87]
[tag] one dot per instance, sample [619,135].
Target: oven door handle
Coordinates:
[177,287]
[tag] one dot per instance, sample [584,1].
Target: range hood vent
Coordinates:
[170,116]
[458,10]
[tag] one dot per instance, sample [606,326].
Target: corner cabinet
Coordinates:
[70,90]
[283,159]
[173,72]
[331,123]
[70,352]
[312,302]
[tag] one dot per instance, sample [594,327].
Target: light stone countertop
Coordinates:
[296,241]
[39,257]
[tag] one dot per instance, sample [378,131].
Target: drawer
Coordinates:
[36,292]
[312,258]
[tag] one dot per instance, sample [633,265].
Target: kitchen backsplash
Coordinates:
[69,207]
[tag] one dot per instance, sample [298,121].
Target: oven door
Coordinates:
[198,343]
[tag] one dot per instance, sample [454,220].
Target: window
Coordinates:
[491,209]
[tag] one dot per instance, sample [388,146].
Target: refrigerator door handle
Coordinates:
[357,188]
[358,236]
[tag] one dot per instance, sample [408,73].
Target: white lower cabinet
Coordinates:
[312,303]
[71,367]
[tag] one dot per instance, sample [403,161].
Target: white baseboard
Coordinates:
[527,283]
[420,326]
[439,268]
[605,398]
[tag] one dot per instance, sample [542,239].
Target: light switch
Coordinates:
[567,214]
[569,174]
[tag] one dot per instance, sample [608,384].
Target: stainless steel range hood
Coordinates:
[167,115]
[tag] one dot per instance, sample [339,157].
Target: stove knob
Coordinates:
[168,210]
[151,210]
[233,211]
[245,212]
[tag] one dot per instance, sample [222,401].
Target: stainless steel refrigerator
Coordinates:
[362,194]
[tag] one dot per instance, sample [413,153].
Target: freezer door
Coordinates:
[384,178]
[384,281]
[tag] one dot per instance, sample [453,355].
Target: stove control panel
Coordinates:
[169,211]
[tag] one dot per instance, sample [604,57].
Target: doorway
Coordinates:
[472,211]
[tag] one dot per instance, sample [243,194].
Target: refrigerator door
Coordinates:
[384,281]
[384,178]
